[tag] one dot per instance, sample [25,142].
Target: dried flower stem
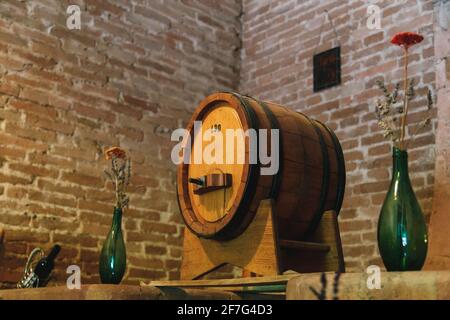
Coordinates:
[337,275]
[405,103]
[120,175]
[425,122]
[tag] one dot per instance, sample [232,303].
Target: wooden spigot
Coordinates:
[211,182]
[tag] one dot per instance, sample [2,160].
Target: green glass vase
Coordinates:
[402,231]
[113,257]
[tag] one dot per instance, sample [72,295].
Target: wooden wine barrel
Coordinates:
[219,199]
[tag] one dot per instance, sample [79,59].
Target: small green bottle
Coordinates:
[402,231]
[113,257]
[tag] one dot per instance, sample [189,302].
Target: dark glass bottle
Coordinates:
[113,257]
[45,266]
[402,231]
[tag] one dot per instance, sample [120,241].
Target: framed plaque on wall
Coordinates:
[327,69]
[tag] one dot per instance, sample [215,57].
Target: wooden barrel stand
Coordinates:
[260,252]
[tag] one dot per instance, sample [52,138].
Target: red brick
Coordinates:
[21,142]
[131,133]
[145,274]
[51,125]
[59,188]
[26,236]
[146,105]
[380,150]
[82,179]
[358,251]
[13,39]
[30,133]
[34,95]
[12,153]
[14,179]
[126,110]
[155,250]
[158,227]
[96,113]
[9,89]
[374,38]
[33,171]
[371,187]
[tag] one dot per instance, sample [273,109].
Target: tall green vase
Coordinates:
[113,257]
[402,231]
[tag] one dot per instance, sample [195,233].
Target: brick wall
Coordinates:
[136,71]
[279,39]
[133,73]
[439,254]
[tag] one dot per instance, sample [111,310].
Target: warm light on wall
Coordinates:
[443,14]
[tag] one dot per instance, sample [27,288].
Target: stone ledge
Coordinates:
[420,285]
[115,292]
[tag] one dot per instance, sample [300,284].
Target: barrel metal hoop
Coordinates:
[182,215]
[325,182]
[341,168]
[181,212]
[276,181]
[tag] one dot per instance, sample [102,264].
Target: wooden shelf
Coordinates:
[304,245]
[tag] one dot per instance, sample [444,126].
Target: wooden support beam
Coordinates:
[304,245]
[253,281]
[254,250]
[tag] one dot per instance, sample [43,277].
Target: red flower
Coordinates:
[115,152]
[406,39]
